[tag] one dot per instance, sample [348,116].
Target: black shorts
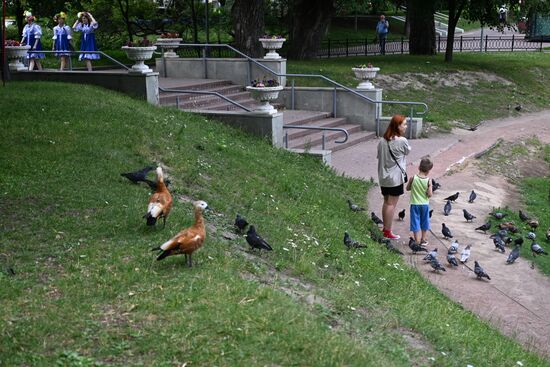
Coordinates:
[393,191]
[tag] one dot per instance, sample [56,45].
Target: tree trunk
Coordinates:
[125,11]
[248,25]
[455,10]
[19,18]
[421,17]
[407,20]
[310,21]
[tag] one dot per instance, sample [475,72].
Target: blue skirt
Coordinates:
[30,42]
[61,43]
[87,43]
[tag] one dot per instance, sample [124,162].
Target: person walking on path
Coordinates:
[62,35]
[32,33]
[87,25]
[391,154]
[420,187]
[382,29]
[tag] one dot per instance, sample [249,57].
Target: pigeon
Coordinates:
[352,243]
[518,241]
[533,223]
[355,207]
[518,107]
[392,248]
[431,255]
[375,218]
[480,273]
[415,247]
[446,231]
[524,217]
[435,185]
[451,259]
[531,235]
[452,197]
[499,244]
[513,255]
[498,215]
[138,176]
[484,227]
[537,249]
[255,241]
[472,197]
[465,254]
[431,211]
[453,249]
[240,223]
[468,216]
[436,265]
[447,208]
[401,214]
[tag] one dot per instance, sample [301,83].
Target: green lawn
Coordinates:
[87,290]
[526,72]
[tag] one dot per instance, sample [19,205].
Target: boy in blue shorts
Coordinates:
[420,187]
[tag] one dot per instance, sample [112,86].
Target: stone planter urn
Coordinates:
[272,44]
[168,45]
[14,55]
[365,75]
[265,95]
[139,55]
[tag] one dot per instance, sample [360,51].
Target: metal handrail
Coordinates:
[79,52]
[346,134]
[333,82]
[161,89]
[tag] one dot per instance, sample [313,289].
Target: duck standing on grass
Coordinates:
[187,241]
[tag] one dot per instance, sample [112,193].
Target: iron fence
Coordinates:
[365,47]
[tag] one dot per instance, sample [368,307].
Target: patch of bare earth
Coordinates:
[422,81]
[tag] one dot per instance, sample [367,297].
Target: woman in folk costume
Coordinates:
[62,35]
[31,37]
[87,25]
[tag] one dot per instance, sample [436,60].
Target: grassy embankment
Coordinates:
[87,290]
[468,102]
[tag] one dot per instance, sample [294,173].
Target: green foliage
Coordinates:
[87,289]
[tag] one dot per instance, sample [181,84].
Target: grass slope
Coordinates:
[87,290]
[528,73]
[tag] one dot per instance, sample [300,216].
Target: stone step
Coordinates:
[225,106]
[203,103]
[170,98]
[354,139]
[194,84]
[315,139]
[327,122]
[301,117]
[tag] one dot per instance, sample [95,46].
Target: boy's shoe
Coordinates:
[423,243]
[390,235]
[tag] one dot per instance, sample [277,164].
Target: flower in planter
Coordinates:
[12,43]
[265,83]
[170,35]
[363,66]
[141,43]
[273,36]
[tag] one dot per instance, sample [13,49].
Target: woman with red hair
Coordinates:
[392,152]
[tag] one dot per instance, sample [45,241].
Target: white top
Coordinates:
[59,31]
[389,174]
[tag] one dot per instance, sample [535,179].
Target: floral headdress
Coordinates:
[27,14]
[60,15]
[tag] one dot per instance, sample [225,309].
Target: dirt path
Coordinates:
[517,299]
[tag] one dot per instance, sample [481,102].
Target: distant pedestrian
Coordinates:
[87,25]
[62,35]
[420,187]
[32,33]
[391,153]
[382,29]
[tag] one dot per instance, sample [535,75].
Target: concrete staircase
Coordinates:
[297,138]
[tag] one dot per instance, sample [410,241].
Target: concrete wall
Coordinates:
[356,109]
[259,124]
[236,70]
[143,86]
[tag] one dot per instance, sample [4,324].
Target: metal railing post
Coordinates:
[178,102]
[541,38]
[164,62]
[512,43]
[292,95]
[204,62]
[334,102]
[461,43]
[249,72]
[402,44]
[439,43]
[323,141]
[411,122]
[486,41]
[286,139]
